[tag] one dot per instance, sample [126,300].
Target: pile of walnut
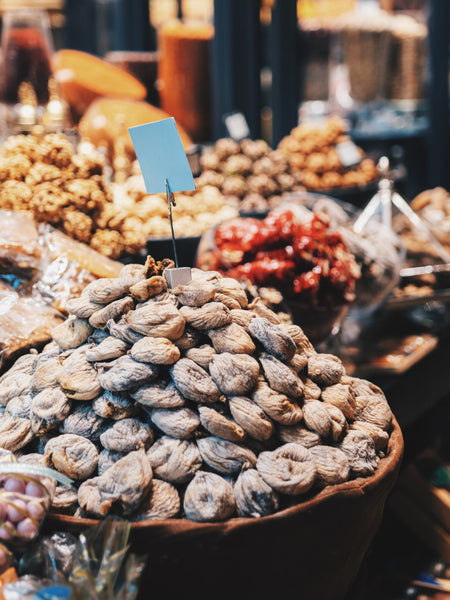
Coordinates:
[310,150]
[49,179]
[188,402]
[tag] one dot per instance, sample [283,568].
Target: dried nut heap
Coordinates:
[312,153]
[188,402]
[250,175]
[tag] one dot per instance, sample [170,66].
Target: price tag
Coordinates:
[161,157]
[348,153]
[237,126]
[165,168]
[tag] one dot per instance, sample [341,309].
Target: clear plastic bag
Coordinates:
[26,493]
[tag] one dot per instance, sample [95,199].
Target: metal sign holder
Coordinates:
[383,201]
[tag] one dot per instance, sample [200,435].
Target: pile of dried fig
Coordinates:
[191,402]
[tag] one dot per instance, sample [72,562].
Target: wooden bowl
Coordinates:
[312,551]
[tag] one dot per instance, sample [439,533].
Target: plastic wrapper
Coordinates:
[69,266]
[25,322]
[20,249]
[96,565]
[26,492]
[41,268]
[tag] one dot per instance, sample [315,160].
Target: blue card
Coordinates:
[161,156]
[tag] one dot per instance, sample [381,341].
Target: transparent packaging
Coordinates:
[26,493]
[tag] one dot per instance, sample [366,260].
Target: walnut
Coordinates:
[108,242]
[85,166]
[40,172]
[26,145]
[56,149]
[78,225]
[47,202]
[15,195]
[85,194]
[14,167]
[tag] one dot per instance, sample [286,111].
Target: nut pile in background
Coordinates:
[49,179]
[310,150]
[189,402]
[193,214]
[250,175]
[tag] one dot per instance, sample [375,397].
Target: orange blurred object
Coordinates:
[83,77]
[315,9]
[106,119]
[184,75]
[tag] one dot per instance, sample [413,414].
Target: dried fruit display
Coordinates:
[313,154]
[301,256]
[251,175]
[206,432]
[69,189]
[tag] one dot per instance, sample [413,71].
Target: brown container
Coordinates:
[311,551]
[184,80]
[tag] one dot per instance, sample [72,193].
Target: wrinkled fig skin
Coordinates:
[361,453]
[15,433]
[108,349]
[114,405]
[46,374]
[162,502]
[290,469]
[16,384]
[49,408]
[159,351]
[106,290]
[125,373]
[78,378]
[224,457]
[159,394]
[125,484]
[193,382]
[219,425]
[234,374]
[85,422]
[173,460]
[19,407]
[189,403]
[280,377]
[107,458]
[209,497]
[254,498]
[195,293]
[157,319]
[71,333]
[127,435]
[177,422]
[273,337]
[72,455]
[208,316]
[332,464]
[100,317]
[231,338]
